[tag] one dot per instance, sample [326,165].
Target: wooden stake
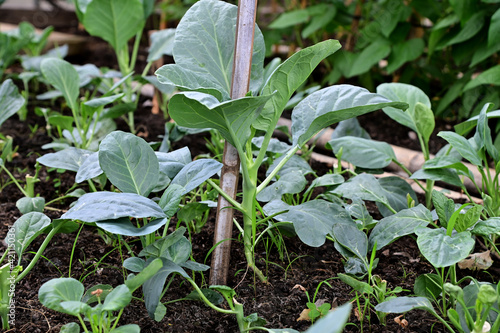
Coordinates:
[245,29]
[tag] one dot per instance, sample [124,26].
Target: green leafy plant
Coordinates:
[476,307]
[24,38]
[207,102]
[67,295]
[118,24]
[24,230]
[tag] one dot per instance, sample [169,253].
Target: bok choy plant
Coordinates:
[203,53]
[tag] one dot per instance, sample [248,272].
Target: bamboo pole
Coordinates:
[245,29]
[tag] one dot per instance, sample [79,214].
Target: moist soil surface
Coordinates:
[291,272]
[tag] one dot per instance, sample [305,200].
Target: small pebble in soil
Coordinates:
[412,135]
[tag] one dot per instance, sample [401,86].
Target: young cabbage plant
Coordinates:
[26,229]
[88,123]
[24,38]
[118,22]
[476,309]
[365,153]
[479,151]
[136,171]
[444,245]
[67,295]
[203,53]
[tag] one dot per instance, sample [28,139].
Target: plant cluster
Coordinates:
[150,200]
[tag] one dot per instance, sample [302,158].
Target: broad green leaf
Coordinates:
[161,246]
[396,190]
[333,322]
[233,118]
[11,100]
[26,229]
[290,18]
[448,161]
[405,304]
[331,105]
[173,162]
[90,297]
[400,224]
[74,307]
[171,199]
[101,101]
[424,121]
[463,146]
[483,133]
[195,173]
[152,288]
[469,219]
[102,206]
[469,29]
[488,227]
[319,20]
[444,206]
[489,76]
[449,176]
[129,162]
[405,52]
[134,264]
[204,49]
[288,77]
[370,56]
[364,153]
[275,146]
[123,226]
[494,29]
[89,168]
[179,252]
[130,328]
[146,272]
[162,42]
[442,250]
[312,220]
[359,286]
[357,209]
[70,328]
[117,299]
[148,7]
[290,183]
[328,179]
[483,52]
[213,296]
[353,239]
[67,159]
[27,204]
[364,186]
[113,21]
[469,124]
[350,127]
[428,285]
[405,93]
[295,163]
[55,291]
[64,77]
[194,266]
[187,79]
[64,122]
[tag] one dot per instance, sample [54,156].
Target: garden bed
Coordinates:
[297,274]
